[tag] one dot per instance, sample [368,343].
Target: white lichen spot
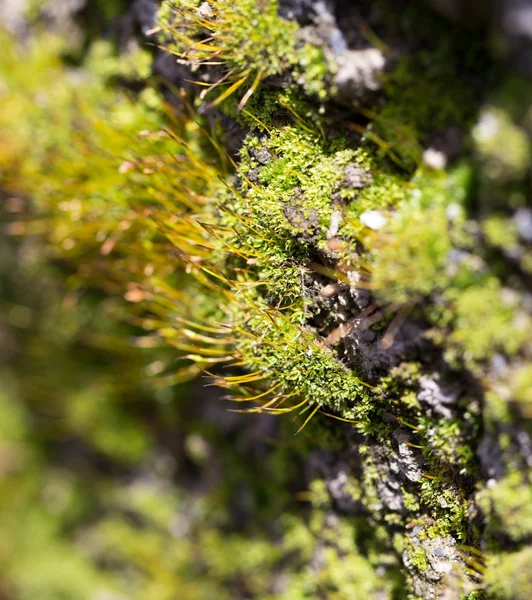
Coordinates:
[359,71]
[336,219]
[373,219]
[487,127]
[434,159]
[453,211]
[205,11]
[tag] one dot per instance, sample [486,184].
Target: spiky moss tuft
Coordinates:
[248,40]
[245,34]
[243,249]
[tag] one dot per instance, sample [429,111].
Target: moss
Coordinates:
[105,425]
[508,575]
[250,35]
[104,62]
[421,234]
[508,507]
[313,71]
[486,319]
[500,232]
[248,38]
[318,378]
[447,505]
[419,560]
[521,387]
[411,502]
[341,569]
[124,187]
[295,184]
[421,90]
[418,237]
[370,479]
[446,444]
[502,146]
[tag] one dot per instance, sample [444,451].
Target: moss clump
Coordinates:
[500,231]
[246,35]
[294,185]
[487,319]
[421,90]
[503,147]
[143,205]
[508,576]
[248,38]
[521,389]
[508,505]
[410,257]
[415,236]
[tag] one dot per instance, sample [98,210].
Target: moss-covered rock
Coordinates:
[359,259]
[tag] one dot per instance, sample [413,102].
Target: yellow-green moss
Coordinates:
[508,506]
[508,576]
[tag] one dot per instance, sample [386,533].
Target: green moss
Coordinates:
[521,387]
[508,505]
[500,232]
[446,445]
[419,560]
[486,319]
[250,35]
[415,237]
[410,256]
[249,38]
[104,62]
[296,181]
[96,416]
[422,91]
[508,576]
[446,504]
[502,146]
[411,502]
[313,71]
[125,188]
